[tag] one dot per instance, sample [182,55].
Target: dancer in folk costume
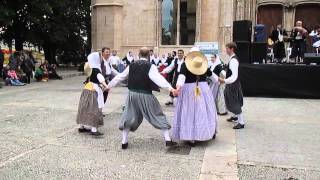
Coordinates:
[217,67]
[195,117]
[175,67]
[91,101]
[233,93]
[143,78]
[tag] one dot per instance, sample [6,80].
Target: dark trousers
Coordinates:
[298,49]
[28,78]
[279,51]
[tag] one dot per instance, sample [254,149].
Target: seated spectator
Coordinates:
[52,71]
[12,78]
[41,74]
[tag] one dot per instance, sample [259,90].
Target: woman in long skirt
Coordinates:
[90,116]
[195,117]
[217,89]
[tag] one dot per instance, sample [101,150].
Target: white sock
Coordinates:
[125,134]
[166,135]
[233,115]
[240,119]
[93,129]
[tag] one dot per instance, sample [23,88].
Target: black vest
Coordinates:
[93,77]
[228,70]
[139,77]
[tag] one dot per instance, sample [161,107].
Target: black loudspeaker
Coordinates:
[242,30]
[259,52]
[311,58]
[243,51]
[260,34]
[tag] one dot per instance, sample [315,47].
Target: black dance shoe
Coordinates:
[96,134]
[84,130]
[169,103]
[238,126]
[191,144]
[232,119]
[170,143]
[214,136]
[124,146]
[223,114]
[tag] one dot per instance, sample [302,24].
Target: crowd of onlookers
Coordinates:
[23,67]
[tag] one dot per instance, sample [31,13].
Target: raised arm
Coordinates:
[119,78]
[169,68]
[158,79]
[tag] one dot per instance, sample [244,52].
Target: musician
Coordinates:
[316,39]
[298,35]
[278,35]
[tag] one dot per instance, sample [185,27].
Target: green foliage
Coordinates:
[56,26]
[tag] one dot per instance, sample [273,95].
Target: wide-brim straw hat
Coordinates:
[87,69]
[196,63]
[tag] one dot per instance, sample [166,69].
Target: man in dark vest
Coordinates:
[233,92]
[143,78]
[174,67]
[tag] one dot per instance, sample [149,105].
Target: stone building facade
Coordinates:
[166,25]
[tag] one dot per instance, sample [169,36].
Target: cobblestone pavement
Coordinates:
[39,140]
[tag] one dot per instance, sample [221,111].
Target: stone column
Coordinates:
[209,24]
[106,24]
[225,25]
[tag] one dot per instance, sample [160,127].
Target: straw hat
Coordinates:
[196,63]
[87,69]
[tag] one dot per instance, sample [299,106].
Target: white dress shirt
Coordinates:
[234,66]
[109,69]
[153,74]
[114,60]
[170,68]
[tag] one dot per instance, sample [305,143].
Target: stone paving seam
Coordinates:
[12,159]
[251,163]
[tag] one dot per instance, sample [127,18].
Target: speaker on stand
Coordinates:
[244,51]
[242,30]
[259,52]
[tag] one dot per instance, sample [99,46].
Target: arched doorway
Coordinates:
[270,15]
[309,14]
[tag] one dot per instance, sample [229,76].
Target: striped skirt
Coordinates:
[88,110]
[195,117]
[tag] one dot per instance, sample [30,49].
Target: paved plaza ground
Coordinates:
[39,140]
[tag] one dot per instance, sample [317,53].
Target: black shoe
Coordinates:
[124,146]
[96,133]
[170,143]
[232,119]
[169,103]
[191,144]
[83,130]
[223,114]
[214,136]
[238,126]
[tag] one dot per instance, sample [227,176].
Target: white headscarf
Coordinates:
[130,58]
[94,60]
[215,63]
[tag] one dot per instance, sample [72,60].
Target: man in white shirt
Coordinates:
[115,60]
[233,93]
[175,67]
[143,78]
[107,70]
